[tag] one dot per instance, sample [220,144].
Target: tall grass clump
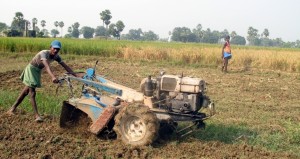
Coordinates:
[182,54]
[102,48]
[147,53]
[273,59]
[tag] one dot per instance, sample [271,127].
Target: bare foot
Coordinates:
[39,119]
[10,113]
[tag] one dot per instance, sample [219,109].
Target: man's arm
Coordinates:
[223,50]
[67,68]
[47,67]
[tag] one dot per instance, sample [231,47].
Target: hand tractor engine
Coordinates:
[137,118]
[175,93]
[180,97]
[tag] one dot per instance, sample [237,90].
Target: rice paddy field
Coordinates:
[257,101]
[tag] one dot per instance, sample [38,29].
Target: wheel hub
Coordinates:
[135,129]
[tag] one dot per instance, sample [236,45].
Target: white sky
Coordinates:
[280,17]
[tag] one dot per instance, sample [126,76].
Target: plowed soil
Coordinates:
[21,137]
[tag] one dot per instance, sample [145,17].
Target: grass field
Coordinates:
[192,54]
[257,101]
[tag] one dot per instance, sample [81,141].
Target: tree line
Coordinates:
[23,27]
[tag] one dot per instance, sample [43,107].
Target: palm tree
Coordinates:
[56,24]
[18,22]
[61,25]
[105,17]
[70,30]
[233,34]
[266,33]
[43,24]
[75,31]
[120,27]
[27,27]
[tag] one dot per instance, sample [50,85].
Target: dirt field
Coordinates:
[21,137]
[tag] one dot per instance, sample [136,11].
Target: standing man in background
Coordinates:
[226,53]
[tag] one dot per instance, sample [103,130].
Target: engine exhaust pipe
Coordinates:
[149,87]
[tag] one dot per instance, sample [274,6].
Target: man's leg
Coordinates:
[19,100]
[225,64]
[33,103]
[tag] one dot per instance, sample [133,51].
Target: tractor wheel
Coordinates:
[136,125]
[69,115]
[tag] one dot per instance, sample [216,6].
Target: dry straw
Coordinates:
[243,57]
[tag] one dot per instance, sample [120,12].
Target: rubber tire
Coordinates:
[136,125]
